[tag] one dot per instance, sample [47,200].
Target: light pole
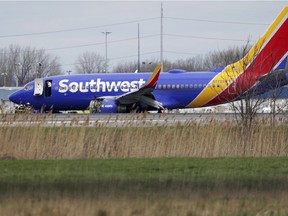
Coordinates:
[18,73]
[106,59]
[38,75]
[146,67]
[4,80]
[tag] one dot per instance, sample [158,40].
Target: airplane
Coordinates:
[263,68]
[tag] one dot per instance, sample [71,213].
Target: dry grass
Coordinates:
[213,139]
[255,203]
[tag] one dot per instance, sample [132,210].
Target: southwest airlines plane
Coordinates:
[263,68]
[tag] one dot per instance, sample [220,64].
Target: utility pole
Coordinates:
[138,49]
[106,59]
[161,39]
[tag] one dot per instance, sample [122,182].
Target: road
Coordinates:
[120,120]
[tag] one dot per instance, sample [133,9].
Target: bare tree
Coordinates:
[8,60]
[147,65]
[195,63]
[22,65]
[240,86]
[34,63]
[247,79]
[47,65]
[221,58]
[90,62]
[3,68]
[206,62]
[126,67]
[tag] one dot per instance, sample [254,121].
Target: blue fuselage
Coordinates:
[74,92]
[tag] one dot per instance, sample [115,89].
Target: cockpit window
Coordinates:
[28,87]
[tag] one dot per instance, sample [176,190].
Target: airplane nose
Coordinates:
[15,97]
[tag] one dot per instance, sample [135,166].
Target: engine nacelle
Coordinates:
[112,106]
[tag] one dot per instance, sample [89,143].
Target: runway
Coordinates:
[123,120]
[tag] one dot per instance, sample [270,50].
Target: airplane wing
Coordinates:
[141,94]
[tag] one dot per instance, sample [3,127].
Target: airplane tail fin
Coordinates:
[263,57]
[266,53]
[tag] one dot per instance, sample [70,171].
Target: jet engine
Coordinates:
[112,106]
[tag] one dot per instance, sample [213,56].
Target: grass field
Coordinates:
[163,186]
[216,168]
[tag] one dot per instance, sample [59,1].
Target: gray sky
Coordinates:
[121,18]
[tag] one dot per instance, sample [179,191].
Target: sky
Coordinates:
[69,28]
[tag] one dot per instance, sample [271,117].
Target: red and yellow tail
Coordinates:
[259,61]
[154,77]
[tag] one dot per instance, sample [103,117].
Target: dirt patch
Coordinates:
[7,157]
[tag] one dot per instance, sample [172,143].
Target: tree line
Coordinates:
[210,61]
[19,65]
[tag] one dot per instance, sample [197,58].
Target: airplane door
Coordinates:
[48,88]
[38,87]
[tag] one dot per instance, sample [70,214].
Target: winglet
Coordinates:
[154,77]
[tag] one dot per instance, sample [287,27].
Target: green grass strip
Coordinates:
[145,174]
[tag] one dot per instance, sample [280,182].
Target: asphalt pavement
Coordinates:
[122,120]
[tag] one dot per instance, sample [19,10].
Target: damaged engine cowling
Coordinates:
[112,106]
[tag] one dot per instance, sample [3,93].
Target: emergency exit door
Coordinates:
[38,87]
